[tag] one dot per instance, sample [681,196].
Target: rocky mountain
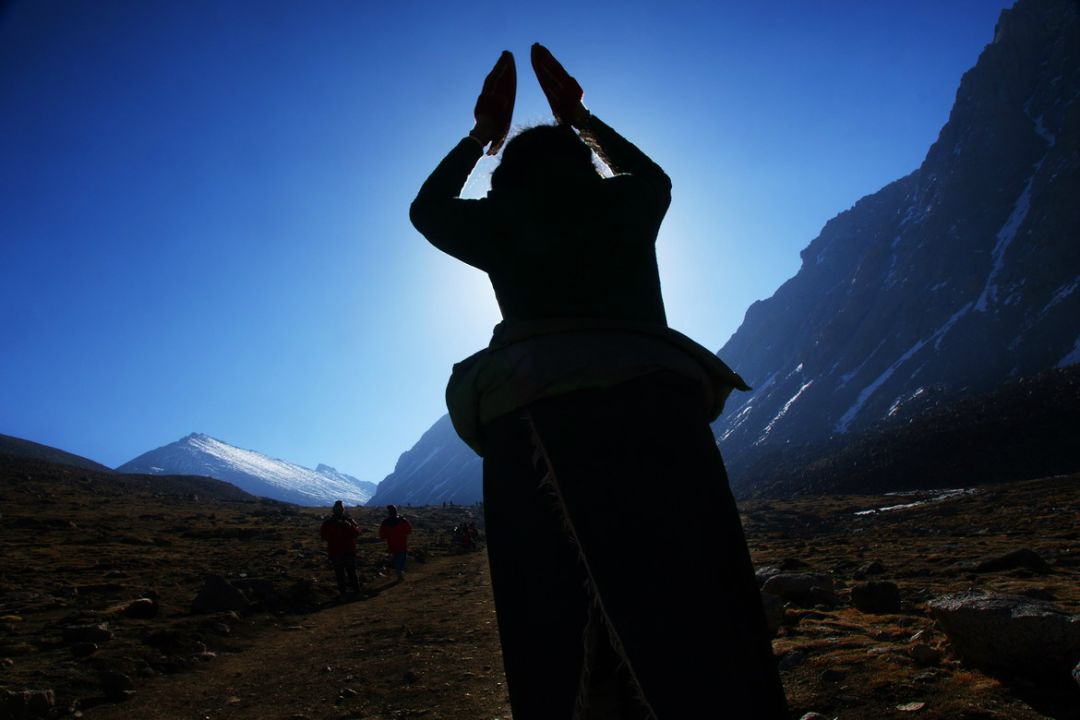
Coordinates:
[439,468]
[253,472]
[947,282]
[950,280]
[27,449]
[1022,429]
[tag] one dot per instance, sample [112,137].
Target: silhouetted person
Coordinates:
[340,532]
[395,531]
[587,408]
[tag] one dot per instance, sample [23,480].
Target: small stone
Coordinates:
[792,659]
[83,649]
[348,692]
[911,707]
[117,686]
[804,589]
[924,654]
[142,608]
[1076,673]
[218,594]
[876,596]
[11,618]
[814,716]
[831,675]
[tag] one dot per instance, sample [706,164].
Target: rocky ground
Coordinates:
[99,577]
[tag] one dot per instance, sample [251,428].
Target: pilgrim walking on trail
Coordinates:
[585,406]
[340,532]
[395,531]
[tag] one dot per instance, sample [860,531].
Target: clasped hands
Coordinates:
[495,106]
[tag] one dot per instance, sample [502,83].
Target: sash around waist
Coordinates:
[528,361]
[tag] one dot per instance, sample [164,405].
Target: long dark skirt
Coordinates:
[622,581]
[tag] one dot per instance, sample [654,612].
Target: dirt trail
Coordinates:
[427,647]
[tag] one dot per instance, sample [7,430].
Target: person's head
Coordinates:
[391,510]
[543,159]
[339,508]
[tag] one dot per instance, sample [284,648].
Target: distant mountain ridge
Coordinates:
[251,471]
[953,279]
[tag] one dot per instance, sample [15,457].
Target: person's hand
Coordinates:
[562,91]
[495,106]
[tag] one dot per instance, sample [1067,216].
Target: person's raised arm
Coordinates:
[449,223]
[565,95]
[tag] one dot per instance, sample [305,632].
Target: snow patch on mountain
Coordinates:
[1005,237]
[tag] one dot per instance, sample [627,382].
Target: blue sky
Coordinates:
[204,205]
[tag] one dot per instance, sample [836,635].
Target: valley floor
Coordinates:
[427,647]
[76,548]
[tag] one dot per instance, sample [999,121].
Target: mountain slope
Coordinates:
[954,278]
[439,468]
[27,449]
[255,473]
[1022,429]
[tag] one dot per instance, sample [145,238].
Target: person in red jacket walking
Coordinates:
[340,532]
[395,531]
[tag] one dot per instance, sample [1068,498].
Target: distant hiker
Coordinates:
[395,531]
[583,401]
[340,532]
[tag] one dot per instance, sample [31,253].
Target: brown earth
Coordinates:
[78,546]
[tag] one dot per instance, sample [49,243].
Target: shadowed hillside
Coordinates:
[25,448]
[1026,429]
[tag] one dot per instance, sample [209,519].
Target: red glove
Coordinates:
[495,106]
[561,89]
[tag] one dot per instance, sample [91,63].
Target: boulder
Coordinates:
[1022,558]
[1009,632]
[805,589]
[774,612]
[876,596]
[86,633]
[257,589]
[874,567]
[764,573]
[27,703]
[218,594]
